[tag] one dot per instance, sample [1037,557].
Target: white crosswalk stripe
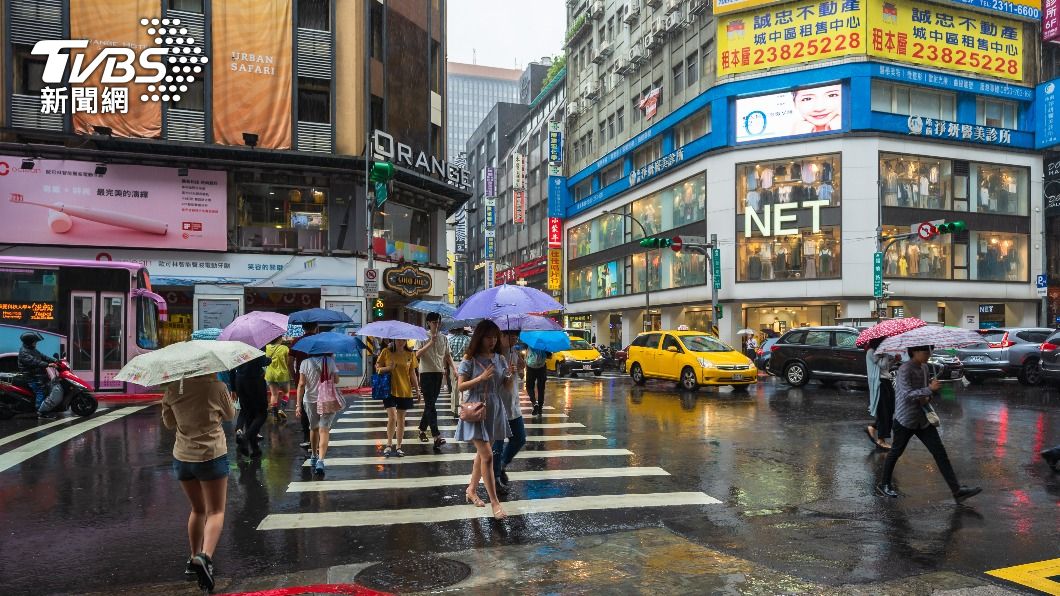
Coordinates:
[356,470]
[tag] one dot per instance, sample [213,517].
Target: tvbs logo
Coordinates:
[167,69]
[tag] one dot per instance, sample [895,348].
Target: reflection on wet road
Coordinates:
[790,469]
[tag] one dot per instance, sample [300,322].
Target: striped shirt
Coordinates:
[911,384]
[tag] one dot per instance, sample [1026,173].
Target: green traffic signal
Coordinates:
[382,171]
[655,242]
[952,227]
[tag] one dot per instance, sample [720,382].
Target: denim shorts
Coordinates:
[203,471]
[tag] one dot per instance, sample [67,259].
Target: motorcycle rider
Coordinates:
[34,365]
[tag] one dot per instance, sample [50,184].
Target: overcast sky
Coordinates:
[505,33]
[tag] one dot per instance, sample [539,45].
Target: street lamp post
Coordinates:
[647,267]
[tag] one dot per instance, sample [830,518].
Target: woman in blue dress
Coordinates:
[484,375]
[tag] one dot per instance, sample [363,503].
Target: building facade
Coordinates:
[255,174]
[798,165]
[473,90]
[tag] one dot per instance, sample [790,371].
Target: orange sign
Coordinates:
[116,23]
[555,268]
[252,57]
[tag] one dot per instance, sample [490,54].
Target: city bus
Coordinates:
[105,309]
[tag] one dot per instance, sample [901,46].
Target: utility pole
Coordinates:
[712,261]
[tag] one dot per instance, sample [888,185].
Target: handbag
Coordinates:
[932,416]
[380,385]
[329,401]
[472,411]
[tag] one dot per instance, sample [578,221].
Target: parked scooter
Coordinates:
[67,391]
[608,355]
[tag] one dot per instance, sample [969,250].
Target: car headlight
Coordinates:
[703,362]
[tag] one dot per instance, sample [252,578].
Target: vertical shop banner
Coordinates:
[490,274]
[490,217]
[557,186]
[1052,187]
[519,171]
[946,37]
[252,56]
[1047,129]
[555,142]
[555,232]
[116,23]
[491,243]
[66,203]
[518,206]
[491,182]
[1051,20]
[555,268]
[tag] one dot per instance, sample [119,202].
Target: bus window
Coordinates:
[146,323]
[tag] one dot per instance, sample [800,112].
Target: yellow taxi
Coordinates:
[692,358]
[582,357]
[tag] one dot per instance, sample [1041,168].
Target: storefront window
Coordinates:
[578,240]
[689,201]
[687,269]
[815,178]
[608,231]
[774,320]
[655,270]
[998,189]
[915,258]
[648,211]
[402,232]
[806,255]
[912,181]
[282,217]
[674,206]
[998,257]
[605,280]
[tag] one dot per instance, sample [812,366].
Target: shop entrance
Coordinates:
[773,320]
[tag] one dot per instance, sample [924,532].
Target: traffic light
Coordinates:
[719,313]
[951,227]
[886,293]
[380,175]
[377,309]
[656,242]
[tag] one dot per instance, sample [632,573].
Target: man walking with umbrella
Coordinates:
[434,360]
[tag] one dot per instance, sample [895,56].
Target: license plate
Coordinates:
[587,367]
[975,359]
[737,377]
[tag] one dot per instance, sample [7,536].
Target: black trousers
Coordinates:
[431,385]
[253,412]
[930,438]
[885,409]
[535,379]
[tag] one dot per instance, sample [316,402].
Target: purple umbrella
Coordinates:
[255,328]
[393,330]
[505,300]
[526,323]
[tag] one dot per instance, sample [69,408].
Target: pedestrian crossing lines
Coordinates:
[558,471]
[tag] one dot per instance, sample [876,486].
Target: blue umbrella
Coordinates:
[321,316]
[327,342]
[546,341]
[506,300]
[208,333]
[294,330]
[435,306]
[393,330]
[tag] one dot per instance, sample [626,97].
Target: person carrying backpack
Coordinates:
[536,375]
[311,373]
[278,377]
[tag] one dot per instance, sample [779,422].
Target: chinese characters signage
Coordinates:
[1051,20]
[555,142]
[519,171]
[491,182]
[491,243]
[490,217]
[518,206]
[656,167]
[909,31]
[557,186]
[491,274]
[937,35]
[65,202]
[649,104]
[1047,129]
[941,129]
[555,268]
[555,232]
[27,312]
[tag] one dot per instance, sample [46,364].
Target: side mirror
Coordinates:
[673,349]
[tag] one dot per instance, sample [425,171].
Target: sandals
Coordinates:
[872,436]
[473,499]
[423,436]
[498,511]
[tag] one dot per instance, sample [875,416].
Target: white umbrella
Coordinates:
[745,332]
[186,359]
[939,338]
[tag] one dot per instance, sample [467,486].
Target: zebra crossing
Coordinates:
[360,482]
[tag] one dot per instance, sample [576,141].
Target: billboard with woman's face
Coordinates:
[799,112]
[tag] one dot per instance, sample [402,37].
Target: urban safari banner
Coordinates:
[252,70]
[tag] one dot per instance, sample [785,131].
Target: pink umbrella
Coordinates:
[939,338]
[255,328]
[888,329]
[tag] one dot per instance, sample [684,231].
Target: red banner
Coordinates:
[555,232]
[519,206]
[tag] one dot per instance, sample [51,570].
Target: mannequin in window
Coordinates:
[903,267]
[754,265]
[809,254]
[780,262]
[913,253]
[892,264]
[795,256]
[890,187]
[826,261]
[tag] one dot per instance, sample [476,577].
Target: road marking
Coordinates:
[1032,575]
[37,429]
[295,521]
[354,410]
[530,439]
[378,429]
[449,457]
[457,479]
[349,419]
[20,454]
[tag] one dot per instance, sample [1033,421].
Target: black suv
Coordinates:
[1050,354]
[827,354]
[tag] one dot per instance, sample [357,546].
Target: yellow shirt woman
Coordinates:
[403,364]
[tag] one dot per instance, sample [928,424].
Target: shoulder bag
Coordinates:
[473,411]
[328,399]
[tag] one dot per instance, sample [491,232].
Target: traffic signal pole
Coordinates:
[707,250]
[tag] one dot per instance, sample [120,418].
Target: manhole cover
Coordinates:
[413,574]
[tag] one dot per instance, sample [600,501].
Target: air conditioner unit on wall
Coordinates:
[623,66]
[632,12]
[593,91]
[636,54]
[673,6]
[605,48]
[698,6]
[597,10]
[672,23]
[655,3]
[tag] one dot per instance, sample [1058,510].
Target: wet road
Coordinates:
[780,477]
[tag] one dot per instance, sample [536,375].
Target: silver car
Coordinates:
[1005,352]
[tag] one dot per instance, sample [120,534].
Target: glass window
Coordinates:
[916,101]
[186,5]
[999,189]
[670,341]
[314,100]
[655,260]
[993,112]
[795,338]
[582,190]
[402,232]
[649,212]
[806,255]
[678,76]
[611,175]
[931,259]
[647,154]
[595,282]
[689,201]
[706,62]
[31,296]
[915,181]
[692,69]
[619,116]
[692,128]
[704,343]
[314,14]
[797,180]
[998,256]
[846,340]
[608,231]
[283,217]
[818,338]
[687,268]
[28,71]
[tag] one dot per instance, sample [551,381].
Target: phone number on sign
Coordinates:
[959,57]
[802,49]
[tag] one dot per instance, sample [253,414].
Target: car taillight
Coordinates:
[1048,347]
[774,348]
[759,351]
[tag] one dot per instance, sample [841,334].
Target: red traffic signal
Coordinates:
[676,243]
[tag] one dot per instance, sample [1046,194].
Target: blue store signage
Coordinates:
[1047,128]
[1016,9]
[953,83]
[944,129]
[557,189]
[656,167]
